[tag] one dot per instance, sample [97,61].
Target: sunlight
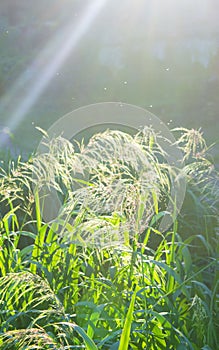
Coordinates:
[46,65]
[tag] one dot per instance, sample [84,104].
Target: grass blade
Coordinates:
[124,340]
[87,340]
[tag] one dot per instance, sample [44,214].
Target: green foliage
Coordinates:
[58,294]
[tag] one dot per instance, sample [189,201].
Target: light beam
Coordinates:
[47,64]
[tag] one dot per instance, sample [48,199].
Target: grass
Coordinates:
[102,275]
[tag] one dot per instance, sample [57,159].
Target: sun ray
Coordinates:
[45,66]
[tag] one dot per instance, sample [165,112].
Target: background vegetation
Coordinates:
[163,57]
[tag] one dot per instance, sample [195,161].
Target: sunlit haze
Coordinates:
[161,55]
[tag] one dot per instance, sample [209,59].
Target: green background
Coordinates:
[162,56]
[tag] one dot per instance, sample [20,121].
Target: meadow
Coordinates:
[103,274]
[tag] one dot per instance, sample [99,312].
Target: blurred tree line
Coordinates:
[174,73]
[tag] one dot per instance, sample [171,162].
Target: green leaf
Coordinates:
[124,340]
[87,340]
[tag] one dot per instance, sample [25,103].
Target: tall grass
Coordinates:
[102,275]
